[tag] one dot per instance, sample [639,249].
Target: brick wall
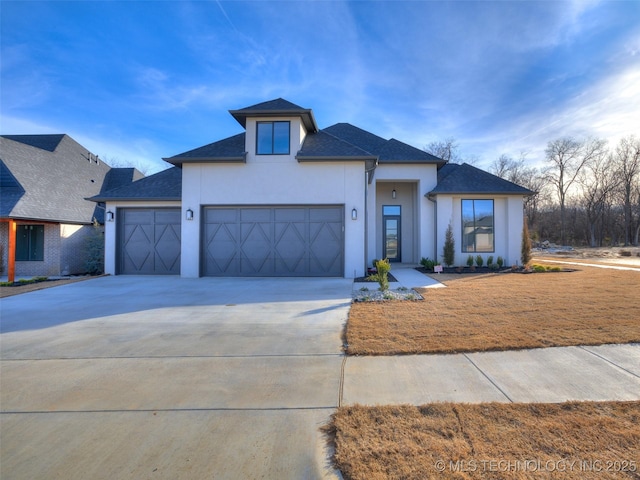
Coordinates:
[74,252]
[51,264]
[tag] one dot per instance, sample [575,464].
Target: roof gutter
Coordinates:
[321,158]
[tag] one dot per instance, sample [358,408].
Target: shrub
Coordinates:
[383,267]
[94,248]
[490,260]
[525,255]
[428,263]
[500,262]
[554,269]
[539,268]
[449,252]
[470,261]
[479,260]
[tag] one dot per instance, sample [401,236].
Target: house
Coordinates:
[44,215]
[286,198]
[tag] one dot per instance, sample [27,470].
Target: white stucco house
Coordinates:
[286,198]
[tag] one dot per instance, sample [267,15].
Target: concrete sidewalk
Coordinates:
[407,276]
[607,372]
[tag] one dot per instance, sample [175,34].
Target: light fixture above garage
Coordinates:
[189,214]
[354,214]
[110,216]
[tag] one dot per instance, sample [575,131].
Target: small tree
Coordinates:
[94,248]
[383,267]
[449,253]
[525,255]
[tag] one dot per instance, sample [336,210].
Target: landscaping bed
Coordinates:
[38,283]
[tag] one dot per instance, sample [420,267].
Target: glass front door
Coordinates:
[391,233]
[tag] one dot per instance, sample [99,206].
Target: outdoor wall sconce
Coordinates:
[354,214]
[189,214]
[393,193]
[110,216]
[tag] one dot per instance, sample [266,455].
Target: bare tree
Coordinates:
[567,157]
[446,149]
[598,183]
[518,172]
[626,163]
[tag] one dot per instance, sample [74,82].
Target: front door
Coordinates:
[391,240]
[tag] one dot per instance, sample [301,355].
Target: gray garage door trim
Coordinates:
[148,241]
[273,241]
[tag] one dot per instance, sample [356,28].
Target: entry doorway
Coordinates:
[391,233]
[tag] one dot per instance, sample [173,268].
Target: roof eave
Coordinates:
[306,114]
[413,162]
[321,158]
[134,199]
[467,192]
[181,160]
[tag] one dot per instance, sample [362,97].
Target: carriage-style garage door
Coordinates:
[273,241]
[149,241]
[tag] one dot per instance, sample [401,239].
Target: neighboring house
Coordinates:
[44,214]
[285,198]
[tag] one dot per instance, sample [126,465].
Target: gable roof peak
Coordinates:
[278,107]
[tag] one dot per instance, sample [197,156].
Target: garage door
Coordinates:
[273,241]
[149,241]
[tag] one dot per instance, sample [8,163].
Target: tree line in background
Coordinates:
[587,193]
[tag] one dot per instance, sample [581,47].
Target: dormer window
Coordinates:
[273,138]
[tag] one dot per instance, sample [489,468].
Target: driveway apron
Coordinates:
[165,377]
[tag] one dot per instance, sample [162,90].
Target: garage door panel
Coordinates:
[274,241]
[149,241]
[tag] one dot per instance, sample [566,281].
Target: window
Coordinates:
[29,243]
[272,138]
[477,226]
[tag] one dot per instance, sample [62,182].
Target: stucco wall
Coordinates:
[508,217]
[281,181]
[412,183]
[274,180]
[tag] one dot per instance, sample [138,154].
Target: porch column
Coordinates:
[11,253]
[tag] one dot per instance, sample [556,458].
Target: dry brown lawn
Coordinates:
[489,441]
[591,306]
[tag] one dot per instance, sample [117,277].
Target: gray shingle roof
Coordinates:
[228,150]
[467,179]
[276,108]
[164,185]
[395,151]
[387,151]
[356,136]
[117,177]
[43,142]
[322,145]
[51,175]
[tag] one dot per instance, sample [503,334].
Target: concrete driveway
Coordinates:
[163,377]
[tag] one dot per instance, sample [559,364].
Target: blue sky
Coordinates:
[135,81]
